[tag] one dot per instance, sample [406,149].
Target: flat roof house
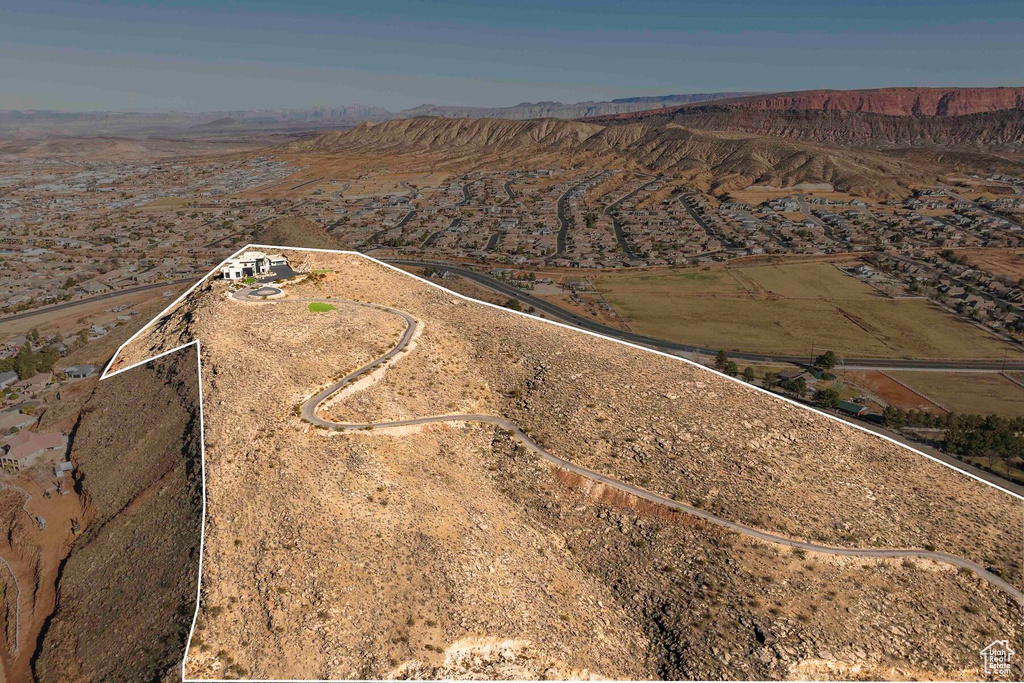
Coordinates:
[251,264]
[80,371]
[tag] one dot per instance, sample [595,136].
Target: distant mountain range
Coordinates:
[716,160]
[558,110]
[882,117]
[816,135]
[14,124]
[873,142]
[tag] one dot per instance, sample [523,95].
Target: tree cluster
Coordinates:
[28,362]
[966,435]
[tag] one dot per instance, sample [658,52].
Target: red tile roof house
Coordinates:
[25,446]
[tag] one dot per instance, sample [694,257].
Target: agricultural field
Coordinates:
[968,392]
[791,309]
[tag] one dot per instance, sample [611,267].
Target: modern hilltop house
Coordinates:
[251,264]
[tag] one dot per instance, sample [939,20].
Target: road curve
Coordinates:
[308,412]
[620,236]
[562,239]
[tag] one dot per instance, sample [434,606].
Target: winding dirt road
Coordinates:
[309,408]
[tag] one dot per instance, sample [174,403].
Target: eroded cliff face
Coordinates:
[127,590]
[863,128]
[895,101]
[657,145]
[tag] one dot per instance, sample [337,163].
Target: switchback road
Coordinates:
[308,411]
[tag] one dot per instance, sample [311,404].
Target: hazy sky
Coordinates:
[207,55]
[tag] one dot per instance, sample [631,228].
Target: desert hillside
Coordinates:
[126,591]
[894,101]
[733,160]
[449,550]
[861,129]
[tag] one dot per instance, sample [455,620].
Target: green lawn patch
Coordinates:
[250,280]
[320,307]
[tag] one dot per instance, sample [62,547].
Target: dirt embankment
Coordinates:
[126,592]
[296,232]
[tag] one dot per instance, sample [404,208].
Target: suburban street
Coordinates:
[563,220]
[708,230]
[620,237]
[510,192]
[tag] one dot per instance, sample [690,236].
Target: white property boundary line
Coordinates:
[197,343]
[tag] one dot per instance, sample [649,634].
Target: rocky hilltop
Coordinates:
[126,591]
[433,551]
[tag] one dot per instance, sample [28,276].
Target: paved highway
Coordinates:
[558,313]
[93,299]
[308,411]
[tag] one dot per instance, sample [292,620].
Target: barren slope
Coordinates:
[127,589]
[862,129]
[441,550]
[728,160]
[894,101]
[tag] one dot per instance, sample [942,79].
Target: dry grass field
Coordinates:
[967,392]
[791,309]
[809,281]
[1006,262]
